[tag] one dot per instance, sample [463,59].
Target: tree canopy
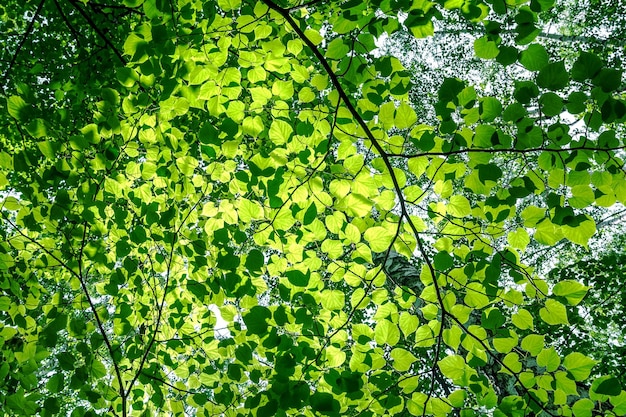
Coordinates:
[287,207]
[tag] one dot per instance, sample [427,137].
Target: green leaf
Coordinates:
[609,386]
[325,404]
[485,48]
[573,291]
[55,383]
[379,238]
[304,215]
[402,359]
[228,5]
[579,365]
[443,261]
[453,367]
[519,238]
[386,333]
[581,233]
[492,319]
[549,359]
[587,66]
[255,260]
[18,108]
[337,49]
[280,132]
[551,104]
[419,24]
[553,76]
[583,408]
[534,58]
[310,214]
[489,108]
[408,323]
[459,206]
[298,278]
[37,128]
[187,165]
[333,300]
[405,116]
[523,319]
[619,403]
[553,313]
[507,56]
[533,343]
[608,79]
[256,320]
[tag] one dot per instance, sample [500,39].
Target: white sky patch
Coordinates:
[221,326]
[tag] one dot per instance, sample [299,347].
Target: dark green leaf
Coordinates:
[609,386]
[310,214]
[325,404]
[534,57]
[298,278]
[256,320]
[587,66]
[608,79]
[443,261]
[255,260]
[553,76]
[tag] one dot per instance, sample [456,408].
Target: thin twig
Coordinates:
[95,27]
[24,37]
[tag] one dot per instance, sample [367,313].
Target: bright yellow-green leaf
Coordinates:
[583,408]
[334,357]
[333,299]
[518,239]
[533,343]
[283,89]
[408,323]
[581,233]
[306,95]
[578,365]
[533,215]
[549,359]
[485,48]
[256,75]
[229,4]
[280,132]
[453,367]
[354,163]
[513,363]
[253,126]
[548,233]
[402,359]
[358,205]
[186,165]
[573,291]
[352,233]
[379,238]
[405,116]
[11,203]
[459,206]
[522,319]
[553,313]
[386,333]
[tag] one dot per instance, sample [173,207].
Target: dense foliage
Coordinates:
[242,207]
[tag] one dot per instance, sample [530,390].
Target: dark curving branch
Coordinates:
[27,33]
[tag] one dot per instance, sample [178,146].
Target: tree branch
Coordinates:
[78,275]
[23,40]
[95,27]
[67,22]
[303,5]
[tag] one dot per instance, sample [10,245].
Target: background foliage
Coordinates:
[271,207]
